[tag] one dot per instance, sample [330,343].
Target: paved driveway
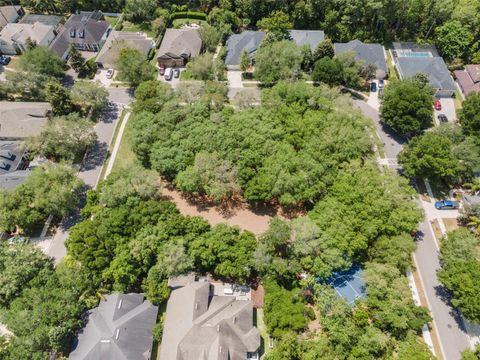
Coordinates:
[173,82]
[448,108]
[447,321]
[101,76]
[234,82]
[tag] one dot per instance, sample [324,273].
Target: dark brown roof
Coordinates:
[474,72]
[466,83]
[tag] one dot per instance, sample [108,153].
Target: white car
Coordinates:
[110,73]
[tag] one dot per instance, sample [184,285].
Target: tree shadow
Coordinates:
[95,156]
[392,134]
[445,295]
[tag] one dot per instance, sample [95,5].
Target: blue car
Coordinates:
[446,205]
[5,60]
[373,87]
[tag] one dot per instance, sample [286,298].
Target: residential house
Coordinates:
[18,120]
[51,20]
[468,79]
[86,30]
[411,59]
[200,325]
[118,40]
[179,46]
[9,14]
[307,37]
[13,37]
[119,328]
[248,41]
[370,54]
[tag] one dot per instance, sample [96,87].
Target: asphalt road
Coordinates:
[449,327]
[90,170]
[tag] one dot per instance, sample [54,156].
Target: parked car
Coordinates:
[110,73]
[446,205]
[176,73]
[373,87]
[162,69]
[380,84]
[380,92]
[5,60]
[168,74]
[438,105]
[442,118]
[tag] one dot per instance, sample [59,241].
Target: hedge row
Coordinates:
[190,15]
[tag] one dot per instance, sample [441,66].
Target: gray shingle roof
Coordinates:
[180,42]
[8,14]
[119,329]
[247,40]
[19,120]
[51,20]
[307,37]
[433,67]
[370,53]
[117,40]
[11,180]
[197,329]
[87,22]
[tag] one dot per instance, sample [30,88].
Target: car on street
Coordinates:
[446,205]
[380,84]
[161,69]
[442,118]
[110,73]
[373,87]
[176,73]
[438,105]
[5,60]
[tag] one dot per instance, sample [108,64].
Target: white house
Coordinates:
[13,37]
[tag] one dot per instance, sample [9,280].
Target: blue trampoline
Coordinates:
[348,284]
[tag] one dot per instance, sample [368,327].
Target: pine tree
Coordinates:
[76,60]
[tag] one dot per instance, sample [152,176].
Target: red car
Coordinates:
[162,69]
[438,105]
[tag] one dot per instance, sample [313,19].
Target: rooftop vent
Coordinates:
[120,303]
[117,333]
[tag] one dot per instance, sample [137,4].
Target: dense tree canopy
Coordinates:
[443,153]
[49,190]
[469,114]
[285,65]
[288,149]
[64,138]
[133,68]
[460,259]
[407,106]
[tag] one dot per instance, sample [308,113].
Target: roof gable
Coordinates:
[120,328]
[248,40]
[307,37]
[181,42]
[373,54]
[434,67]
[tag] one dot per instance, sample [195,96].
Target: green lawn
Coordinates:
[125,156]
[262,328]
[112,20]
[143,27]
[177,23]
[392,72]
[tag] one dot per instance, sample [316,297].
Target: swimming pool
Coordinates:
[413,54]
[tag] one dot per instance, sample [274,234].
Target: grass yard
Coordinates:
[262,328]
[125,156]
[178,23]
[143,27]
[112,20]
[457,100]
[392,72]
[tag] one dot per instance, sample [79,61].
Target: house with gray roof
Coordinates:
[118,40]
[179,46]
[51,20]
[9,14]
[370,54]
[19,120]
[120,328]
[86,30]
[12,164]
[200,325]
[247,41]
[412,59]
[307,37]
